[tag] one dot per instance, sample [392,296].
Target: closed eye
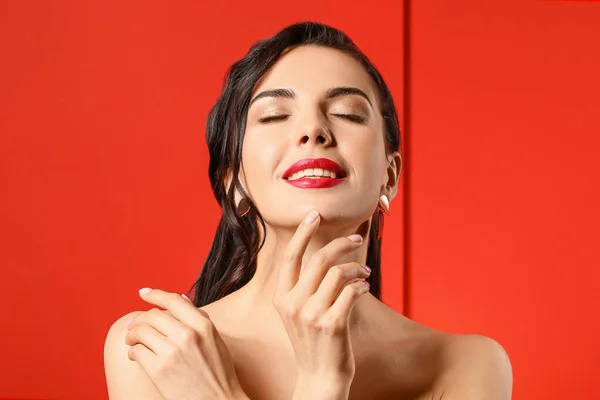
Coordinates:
[273,118]
[351,117]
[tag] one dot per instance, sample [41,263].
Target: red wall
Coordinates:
[103,172]
[103,164]
[504,183]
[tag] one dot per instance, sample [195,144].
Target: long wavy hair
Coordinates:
[231,261]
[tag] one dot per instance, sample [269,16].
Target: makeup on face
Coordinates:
[314,173]
[342,102]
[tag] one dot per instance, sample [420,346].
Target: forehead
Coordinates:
[309,70]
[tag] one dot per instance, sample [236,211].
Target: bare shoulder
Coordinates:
[125,378]
[436,365]
[474,367]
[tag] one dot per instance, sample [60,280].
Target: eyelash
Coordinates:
[273,118]
[350,117]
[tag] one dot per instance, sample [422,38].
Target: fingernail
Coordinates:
[366,288]
[367,268]
[356,238]
[144,290]
[128,323]
[311,217]
[185,297]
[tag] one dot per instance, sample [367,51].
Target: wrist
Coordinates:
[308,388]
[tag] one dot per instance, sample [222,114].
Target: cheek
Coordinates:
[260,159]
[366,153]
[367,149]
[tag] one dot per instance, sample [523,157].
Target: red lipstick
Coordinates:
[316,182]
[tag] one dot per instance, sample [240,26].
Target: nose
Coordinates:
[315,132]
[320,135]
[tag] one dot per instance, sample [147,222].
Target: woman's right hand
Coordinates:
[315,305]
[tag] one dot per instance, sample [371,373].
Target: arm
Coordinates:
[479,370]
[125,379]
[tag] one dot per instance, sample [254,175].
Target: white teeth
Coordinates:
[312,173]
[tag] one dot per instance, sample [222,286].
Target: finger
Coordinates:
[161,320]
[290,270]
[142,355]
[336,278]
[150,338]
[146,358]
[179,307]
[322,260]
[346,300]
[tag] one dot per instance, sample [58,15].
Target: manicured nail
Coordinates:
[128,323]
[185,297]
[367,268]
[365,288]
[356,238]
[311,217]
[144,290]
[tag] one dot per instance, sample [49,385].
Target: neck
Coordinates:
[258,293]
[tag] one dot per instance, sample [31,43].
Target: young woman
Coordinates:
[304,160]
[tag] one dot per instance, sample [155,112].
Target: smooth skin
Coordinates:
[315,306]
[283,331]
[180,350]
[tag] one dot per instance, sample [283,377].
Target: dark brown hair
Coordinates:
[231,261]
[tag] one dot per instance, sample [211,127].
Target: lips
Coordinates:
[320,170]
[311,163]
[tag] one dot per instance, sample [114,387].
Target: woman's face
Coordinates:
[315,103]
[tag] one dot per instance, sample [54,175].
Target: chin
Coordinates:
[332,213]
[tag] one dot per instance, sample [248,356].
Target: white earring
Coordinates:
[384,204]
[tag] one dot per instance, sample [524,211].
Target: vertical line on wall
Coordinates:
[406,131]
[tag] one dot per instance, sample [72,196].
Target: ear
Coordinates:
[393,174]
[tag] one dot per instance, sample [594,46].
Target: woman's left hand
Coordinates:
[181,351]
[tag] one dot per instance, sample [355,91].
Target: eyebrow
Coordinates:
[330,94]
[285,93]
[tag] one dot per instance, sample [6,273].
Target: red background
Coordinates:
[103,172]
